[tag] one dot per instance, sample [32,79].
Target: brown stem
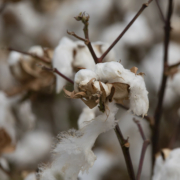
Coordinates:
[78,37]
[146,142]
[158,112]
[160,11]
[174,65]
[125,148]
[57,72]
[124,31]
[43,59]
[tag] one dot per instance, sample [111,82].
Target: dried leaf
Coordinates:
[111,94]
[90,103]
[134,69]
[121,90]
[91,86]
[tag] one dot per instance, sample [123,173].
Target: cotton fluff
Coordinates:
[70,56]
[73,153]
[86,116]
[167,168]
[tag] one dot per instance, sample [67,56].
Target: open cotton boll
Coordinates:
[73,153]
[108,71]
[82,77]
[167,167]
[62,60]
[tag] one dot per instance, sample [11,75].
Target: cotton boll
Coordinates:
[82,77]
[152,65]
[73,152]
[168,168]
[62,60]
[31,149]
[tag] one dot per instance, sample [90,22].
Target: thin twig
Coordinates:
[174,65]
[146,142]
[57,72]
[43,59]
[125,148]
[160,11]
[78,37]
[125,30]
[158,112]
[85,20]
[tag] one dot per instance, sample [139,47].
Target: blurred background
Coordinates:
[32,113]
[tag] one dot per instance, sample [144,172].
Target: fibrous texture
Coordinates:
[73,152]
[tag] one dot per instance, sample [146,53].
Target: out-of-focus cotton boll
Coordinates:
[103,163]
[26,115]
[31,149]
[86,116]
[32,22]
[62,60]
[7,121]
[152,65]
[167,167]
[82,77]
[31,176]
[73,152]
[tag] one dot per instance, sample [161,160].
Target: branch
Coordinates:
[160,11]
[125,148]
[145,5]
[57,72]
[143,150]
[85,20]
[43,59]
[158,112]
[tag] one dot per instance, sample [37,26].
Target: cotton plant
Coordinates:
[102,86]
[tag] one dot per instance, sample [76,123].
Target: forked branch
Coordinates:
[146,142]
